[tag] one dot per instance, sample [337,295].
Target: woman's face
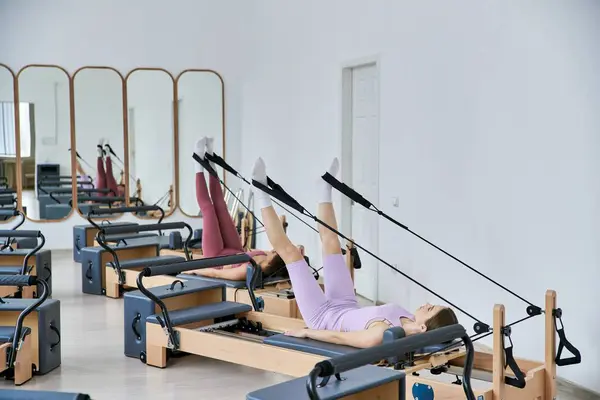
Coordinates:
[425,312]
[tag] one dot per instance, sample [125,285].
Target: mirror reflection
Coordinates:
[200,113]
[45,131]
[98,101]
[8,151]
[150,135]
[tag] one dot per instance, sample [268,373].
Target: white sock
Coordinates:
[324,187]
[199,149]
[209,149]
[101,148]
[259,174]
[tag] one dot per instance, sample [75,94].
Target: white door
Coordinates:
[365,173]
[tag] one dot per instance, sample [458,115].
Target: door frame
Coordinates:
[346,140]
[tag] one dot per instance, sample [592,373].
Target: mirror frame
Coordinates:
[72,134]
[19,177]
[74,139]
[172,209]
[224,155]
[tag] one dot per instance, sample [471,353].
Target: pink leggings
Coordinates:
[106,179]
[219,235]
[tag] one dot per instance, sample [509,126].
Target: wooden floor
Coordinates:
[93,361]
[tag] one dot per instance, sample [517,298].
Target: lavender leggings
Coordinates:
[323,310]
[219,234]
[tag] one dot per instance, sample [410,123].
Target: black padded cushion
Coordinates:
[150,261]
[434,348]
[40,395]
[308,345]
[203,313]
[4,270]
[356,381]
[7,333]
[127,236]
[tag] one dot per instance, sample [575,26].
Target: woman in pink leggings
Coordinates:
[105,178]
[334,316]
[219,234]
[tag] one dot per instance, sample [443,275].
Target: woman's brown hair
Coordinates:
[276,268]
[444,317]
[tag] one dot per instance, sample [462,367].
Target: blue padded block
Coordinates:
[45,200]
[308,345]
[7,333]
[26,243]
[357,380]
[43,262]
[80,236]
[57,211]
[40,395]
[48,320]
[10,270]
[92,267]
[138,307]
[203,312]
[150,261]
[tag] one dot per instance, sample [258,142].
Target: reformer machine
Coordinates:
[195,318]
[40,395]
[538,380]
[29,331]
[111,269]
[352,375]
[34,262]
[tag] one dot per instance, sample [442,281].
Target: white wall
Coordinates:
[489,137]
[137,33]
[98,98]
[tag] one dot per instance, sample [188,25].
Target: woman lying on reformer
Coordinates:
[335,316]
[219,234]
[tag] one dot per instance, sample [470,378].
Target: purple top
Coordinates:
[360,318]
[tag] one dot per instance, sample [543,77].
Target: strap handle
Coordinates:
[519,380]
[274,190]
[220,162]
[346,190]
[564,343]
[175,282]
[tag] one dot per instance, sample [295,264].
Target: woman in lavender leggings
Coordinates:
[219,234]
[334,316]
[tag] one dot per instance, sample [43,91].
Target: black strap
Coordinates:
[346,190]
[136,319]
[519,380]
[220,162]
[277,191]
[564,343]
[205,164]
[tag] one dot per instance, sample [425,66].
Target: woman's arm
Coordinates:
[361,339]
[232,274]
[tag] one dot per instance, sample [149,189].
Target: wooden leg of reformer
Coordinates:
[28,292]
[156,356]
[498,349]
[24,361]
[349,258]
[550,352]
[112,284]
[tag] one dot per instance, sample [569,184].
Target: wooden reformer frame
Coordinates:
[252,352]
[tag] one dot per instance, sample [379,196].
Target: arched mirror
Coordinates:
[45,135]
[150,118]
[99,137]
[200,113]
[8,144]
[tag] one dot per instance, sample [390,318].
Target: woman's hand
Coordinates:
[302,333]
